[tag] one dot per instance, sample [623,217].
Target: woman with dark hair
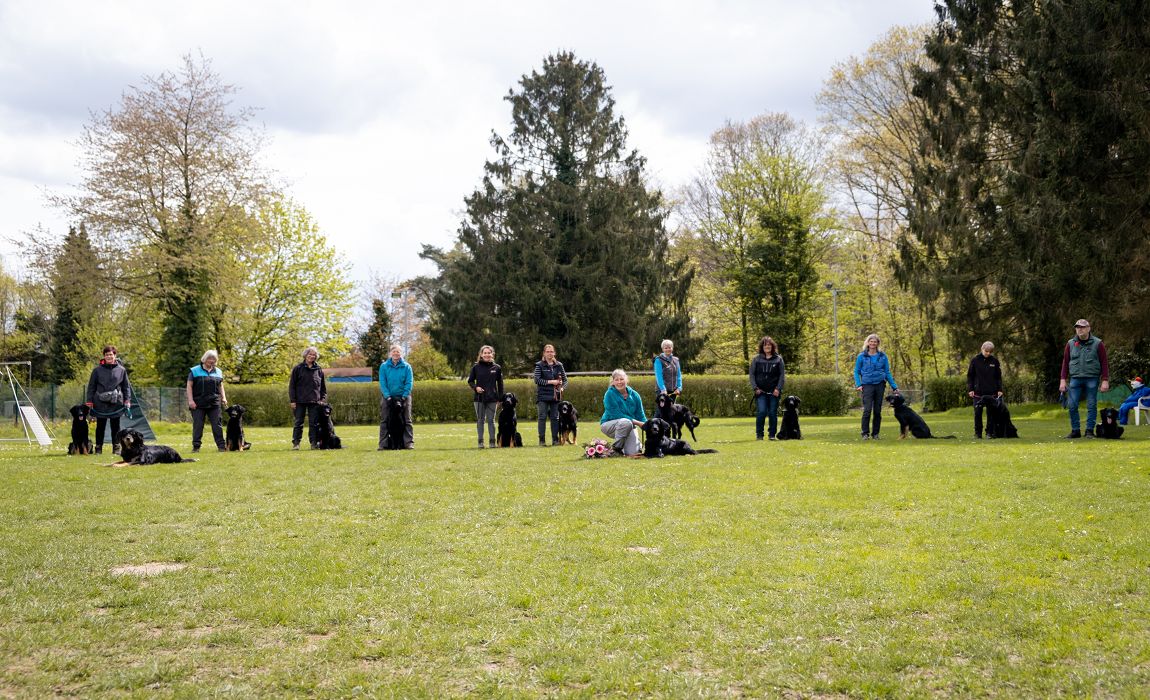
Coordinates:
[109,395]
[486,382]
[768,375]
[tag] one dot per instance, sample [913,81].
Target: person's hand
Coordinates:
[758,391]
[192,405]
[1105,385]
[970,394]
[128,404]
[478,390]
[775,393]
[292,404]
[1000,394]
[858,388]
[1062,385]
[89,404]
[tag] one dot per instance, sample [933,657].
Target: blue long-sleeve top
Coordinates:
[873,369]
[395,379]
[615,406]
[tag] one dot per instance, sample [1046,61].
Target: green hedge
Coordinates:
[945,393]
[450,400]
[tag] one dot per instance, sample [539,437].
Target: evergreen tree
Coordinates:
[563,243]
[1034,196]
[375,340]
[76,290]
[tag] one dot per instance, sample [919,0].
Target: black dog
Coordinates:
[396,429]
[790,429]
[998,423]
[507,435]
[134,451]
[656,442]
[1108,427]
[325,437]
[568,423]
[909,421]
[81,444]
[677,415]
[234,436]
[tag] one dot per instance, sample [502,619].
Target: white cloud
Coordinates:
[379,114]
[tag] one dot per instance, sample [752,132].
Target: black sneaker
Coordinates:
[772,438]
[195,450]
[99,449]
[865,436]
[1073,435]
[543,443]
[1089,435]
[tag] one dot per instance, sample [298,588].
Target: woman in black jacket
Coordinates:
[550,381]
[109,395]
[486,381]
[768,375]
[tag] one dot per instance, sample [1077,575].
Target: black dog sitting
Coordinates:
[568,423]
[677,415]
[1108,427]
[134,451]
[909,421]
[998,423]
[234,436]
[507,435]
[326,439]
[81,443]
[656,442]
[790,429]
[396,428]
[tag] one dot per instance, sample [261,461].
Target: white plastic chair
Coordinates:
[1142,405]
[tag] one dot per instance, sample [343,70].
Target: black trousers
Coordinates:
[311,410]
[102,423]
[212,413]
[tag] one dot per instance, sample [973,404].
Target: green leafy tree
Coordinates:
[1032,200]
[163,174]
[563,243]
[289,289]
[759,219]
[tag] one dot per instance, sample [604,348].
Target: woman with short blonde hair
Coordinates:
[623,414]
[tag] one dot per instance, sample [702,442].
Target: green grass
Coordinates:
[822,568]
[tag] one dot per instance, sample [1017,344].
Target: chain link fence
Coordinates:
[165,404]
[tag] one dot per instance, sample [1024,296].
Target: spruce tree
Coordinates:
[375,340]
[563,243]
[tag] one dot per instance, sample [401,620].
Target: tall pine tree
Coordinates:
[1032,203]
[563,243]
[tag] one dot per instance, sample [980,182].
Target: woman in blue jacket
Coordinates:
[623,414]
[872,373]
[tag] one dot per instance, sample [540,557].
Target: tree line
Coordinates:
[981,178]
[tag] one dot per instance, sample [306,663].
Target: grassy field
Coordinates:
[822,568]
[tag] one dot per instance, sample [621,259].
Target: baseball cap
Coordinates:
[1082,323]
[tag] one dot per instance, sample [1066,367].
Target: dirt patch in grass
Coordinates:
[152,568]
[645,550]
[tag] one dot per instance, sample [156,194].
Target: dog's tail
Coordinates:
[944,437]
[188,460]
[707,451]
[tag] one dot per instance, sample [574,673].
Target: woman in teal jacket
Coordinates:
[872,374]
[395,381]
[623,414]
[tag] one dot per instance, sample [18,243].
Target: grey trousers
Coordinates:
[408,434]
[485,412]
[624,433]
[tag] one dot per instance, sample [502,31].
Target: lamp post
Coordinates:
[835,315]
[402,294]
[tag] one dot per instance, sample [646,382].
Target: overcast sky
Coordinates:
[379,114]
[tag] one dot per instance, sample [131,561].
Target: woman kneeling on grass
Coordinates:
[623,414]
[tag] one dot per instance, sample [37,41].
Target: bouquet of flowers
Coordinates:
[598,448]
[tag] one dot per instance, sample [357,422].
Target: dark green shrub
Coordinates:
[945,393]
[450,400]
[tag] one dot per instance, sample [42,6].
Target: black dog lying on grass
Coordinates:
[1108,427]
[508,435]
[657,444]
[81,443]
[568,423]
[909,421]
[325,437]
[677,416]
[393,439]
[134,451]
[234,436]
[790,428]
[998,423]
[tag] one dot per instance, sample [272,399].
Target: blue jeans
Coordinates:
[1074,391]
[766,405]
